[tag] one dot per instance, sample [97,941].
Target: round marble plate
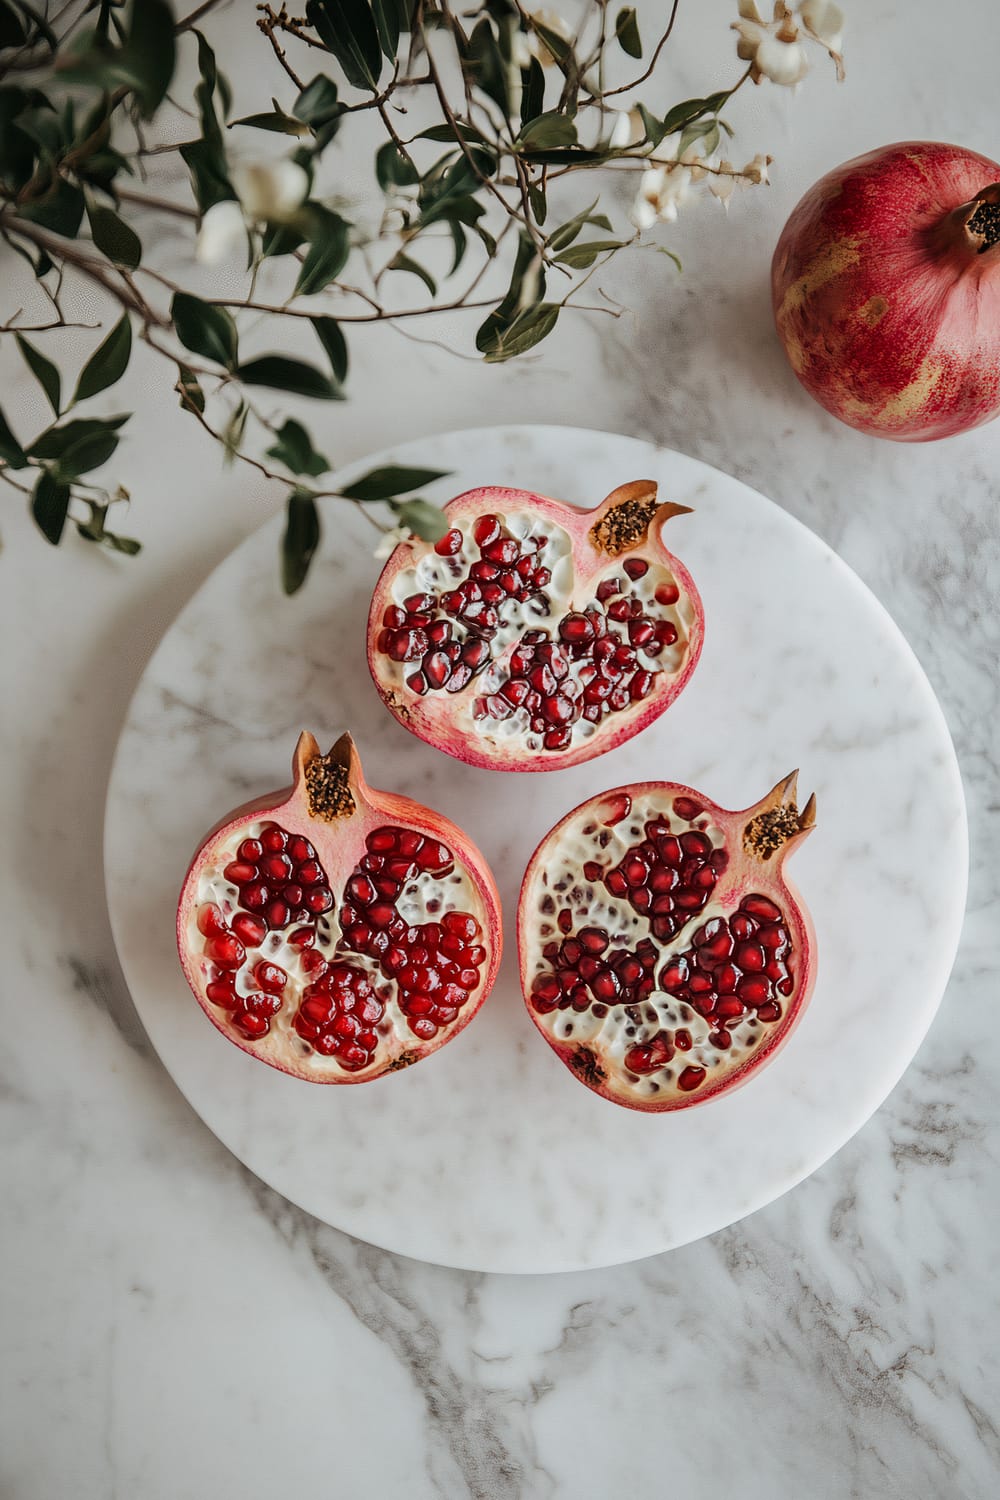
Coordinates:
[489,1155]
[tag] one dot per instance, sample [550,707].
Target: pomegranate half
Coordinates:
[535,635]
[886,291]
[337,932]
[664,955]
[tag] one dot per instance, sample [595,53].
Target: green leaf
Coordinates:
[43,370]
[567,233]
[401,262]
[537,200]
[448,135]
[703,130]
[301,538]
[348,28]
[294,449]
[500,319]
[578,257]
[532,92]
[320,108]
[204,329]
[527,330]
[627,32]
[393,169]
[60,209]
[483,64]
[387,24]
[150,52]
[281,239]
[55,442]
[209,174]
[385,483]
[88,452]
[191,394]
[670,254]
[424,520]
[126,544]
[274,120]
[284,374]
[10,449]
[692,109]
[12,32]
[651,125]
[560,48]
[552,129]
[49,506]
[330,336]
[108,363]
[329,246]
[232,435]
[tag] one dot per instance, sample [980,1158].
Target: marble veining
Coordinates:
[173,1328]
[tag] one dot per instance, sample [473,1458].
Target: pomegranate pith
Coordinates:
[337,932]
[534,635]
[664,955]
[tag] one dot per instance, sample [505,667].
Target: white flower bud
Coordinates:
[222,233]
[270,190]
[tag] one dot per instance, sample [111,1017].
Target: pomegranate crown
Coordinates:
[775,825]
[624,518]
[329,782]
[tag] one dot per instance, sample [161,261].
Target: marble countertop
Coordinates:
[171,1327]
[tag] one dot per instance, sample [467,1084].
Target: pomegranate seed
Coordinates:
[691,1078]
[417,683]
[635,567]
[640,631]
[222,992]
[607,588]
[503,550]
[273,838]
[460,677]
[251,931]
[761,907]
[449,544]
[749,957]
[667,593]
[211,920]
[616,883]
[240,872]
[302,937]
[486,530]
[619,610]
[730,1009]
[394,617]
[270,977]
[225,950]
[251,1025]
[576,628]
[753,990]
[437,668]
[558,709]
[250,851]
[687,808]
[318,900]
[769,1012]
[640,685]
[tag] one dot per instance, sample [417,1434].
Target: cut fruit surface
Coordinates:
[535,635]
[664,955]
[338,932]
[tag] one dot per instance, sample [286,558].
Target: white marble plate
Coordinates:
[490,1155]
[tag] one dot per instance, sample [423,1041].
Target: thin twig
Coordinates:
[159,205]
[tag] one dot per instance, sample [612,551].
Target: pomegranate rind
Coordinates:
[339,846]
[436,717]
[888,311]
[742,877]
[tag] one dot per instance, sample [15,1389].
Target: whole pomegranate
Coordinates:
[337,932]
[886,291]
[664,955]
[534,635]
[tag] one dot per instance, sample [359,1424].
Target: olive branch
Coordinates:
[484,114]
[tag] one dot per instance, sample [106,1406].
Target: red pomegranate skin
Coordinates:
[888,313]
